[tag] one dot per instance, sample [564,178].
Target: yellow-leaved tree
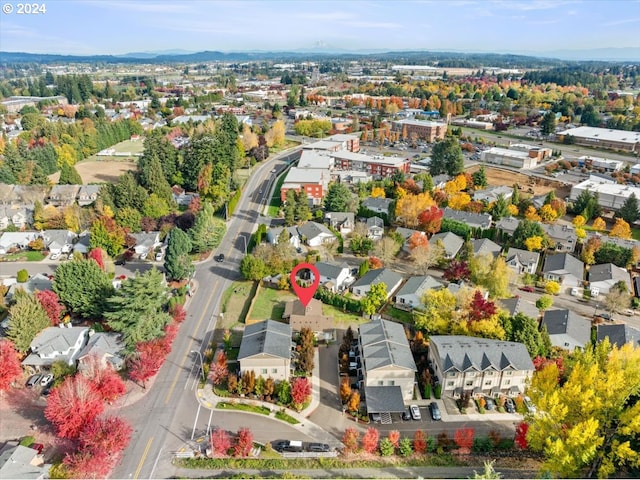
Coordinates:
[534,244]
[439,306]
[459,200]
[547,213]
[579,221]
[621,229]
[589,424]
[513,210]
[532,214]
[410,206]
[377,192]
[599,224]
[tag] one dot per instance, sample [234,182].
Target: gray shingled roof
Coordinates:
[384,399]
[618,334]
[482,220]
[385,344]
[508,224]
[452,243]
[15,462]
[266,338]
[379,275]
[607,271]
[406,232]
[485,245]
[419,285]
[565,326]
[563,264]
[371,203]
[56,339]
[462,353]
[330,270]
[312,230]
[524,256]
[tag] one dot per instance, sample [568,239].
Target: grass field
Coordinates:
[274,204]
[341,318]
[270,304]
[235,303]
[28,256]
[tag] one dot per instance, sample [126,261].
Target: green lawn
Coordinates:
[399,315]
[341,317]
[270,304]
[30,256]
[235,303]
[635,233]
[274,204]
[132,146]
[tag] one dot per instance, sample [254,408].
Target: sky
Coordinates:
[85,27]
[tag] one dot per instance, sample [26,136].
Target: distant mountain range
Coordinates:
[321,51]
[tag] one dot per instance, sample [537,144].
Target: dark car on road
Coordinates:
[489,404]
[220,258]
[509,405]
[406,415]
[435,411]
[34,380]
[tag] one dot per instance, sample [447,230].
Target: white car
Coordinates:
[54,256]
[46,380]
[415,412]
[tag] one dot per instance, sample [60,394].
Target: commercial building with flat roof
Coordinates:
[313,181]
[603,138]
[424,130]
[610,195]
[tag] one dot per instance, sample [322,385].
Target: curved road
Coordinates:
[165,417]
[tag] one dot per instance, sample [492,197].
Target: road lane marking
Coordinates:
[143,458]
[189,346]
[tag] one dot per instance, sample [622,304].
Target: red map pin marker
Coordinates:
[305,294]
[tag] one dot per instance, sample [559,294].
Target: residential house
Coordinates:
[618,334]
[59,241]
[517,304]
[391,279]
[375,228]
[491,194]
[83,245]
[30,194]
[273,234]
[63,195]
[564,236]
[344,222]
[451,243]
[473,220]
[377,205]
[6,194]
[406,234]
[146,243]
[17,461]
[439,181]
[315,234]
[334,277]
[16,215]
[604,276]
[54,344]
[311,316]
[387,366]
[479,365]
[38,282]
[266,349]
[15,241]
[106,346]
[567,329]
[522,261]
[507,225]
[88,194]
[564,269]
[485,245]
[411,293]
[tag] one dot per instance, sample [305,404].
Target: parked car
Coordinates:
[489,404]
[531,408]
[288,446]
[509,405]
[406,415]
[375,417]
[46,380]
[220,258]
[528,288]
[434,409]
[415,412]
[318,447]
[158,256]
[34,380]
[54,256]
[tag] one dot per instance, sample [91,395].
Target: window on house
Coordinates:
[451,374]
[274,370]
[487,383]
[263,371]
[508,373]
[392,383]
[449,383]
[469,383]
[506,382]
[380,383]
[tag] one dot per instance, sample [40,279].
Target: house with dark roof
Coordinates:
[88,194]
[618,334]
[474,220]
[564,236]
[17,461]
[407,233]
[479,365]
[564,269]
[567,329]
[266,349]
[375,228]
[391,279]
[410,295]
[106,346]
[517,304]
[377,205]
[387,366]
[485,245]
[344,222]
[333,276]
[606,275]
[451,243]
[522,261]
[315,234]
[55,344]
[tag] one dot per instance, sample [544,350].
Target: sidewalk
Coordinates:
[208,399]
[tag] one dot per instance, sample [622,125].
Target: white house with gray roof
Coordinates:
[375,228]
[410,295]
[146,243]
[59,241]
[344,222]
[315,234]
[567,329]
[564,236]
[391,279]
[564,269]
[334,277]
[451,243]
[507,225]
[606,275]
[106,346]
[485,245]
[473,220]
[491,194]
[479,365]
[377,205]
[17,461]
[266,349]
[386,361]
[522,261]
[54,344]
[273,234]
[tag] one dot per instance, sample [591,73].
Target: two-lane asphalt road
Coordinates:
[165,417]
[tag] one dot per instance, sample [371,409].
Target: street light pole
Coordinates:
[201,362]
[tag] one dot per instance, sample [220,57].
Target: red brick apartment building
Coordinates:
[425,130]
[313,181]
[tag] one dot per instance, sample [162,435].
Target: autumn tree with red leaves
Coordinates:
[370,440]
[419,442]
[300,391]
[244,443]
[464,438]
[458,270]
[430,220]
[105,434]
[480,308]
[146,362]
[350,440]
[51,304]
[10,366]
[417,239]
[104,378]
[521,435]
[218,372]
[394,437]
[220,442]
[178,313]
[375,263]
[71,405]
[98,255]
[85,464]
